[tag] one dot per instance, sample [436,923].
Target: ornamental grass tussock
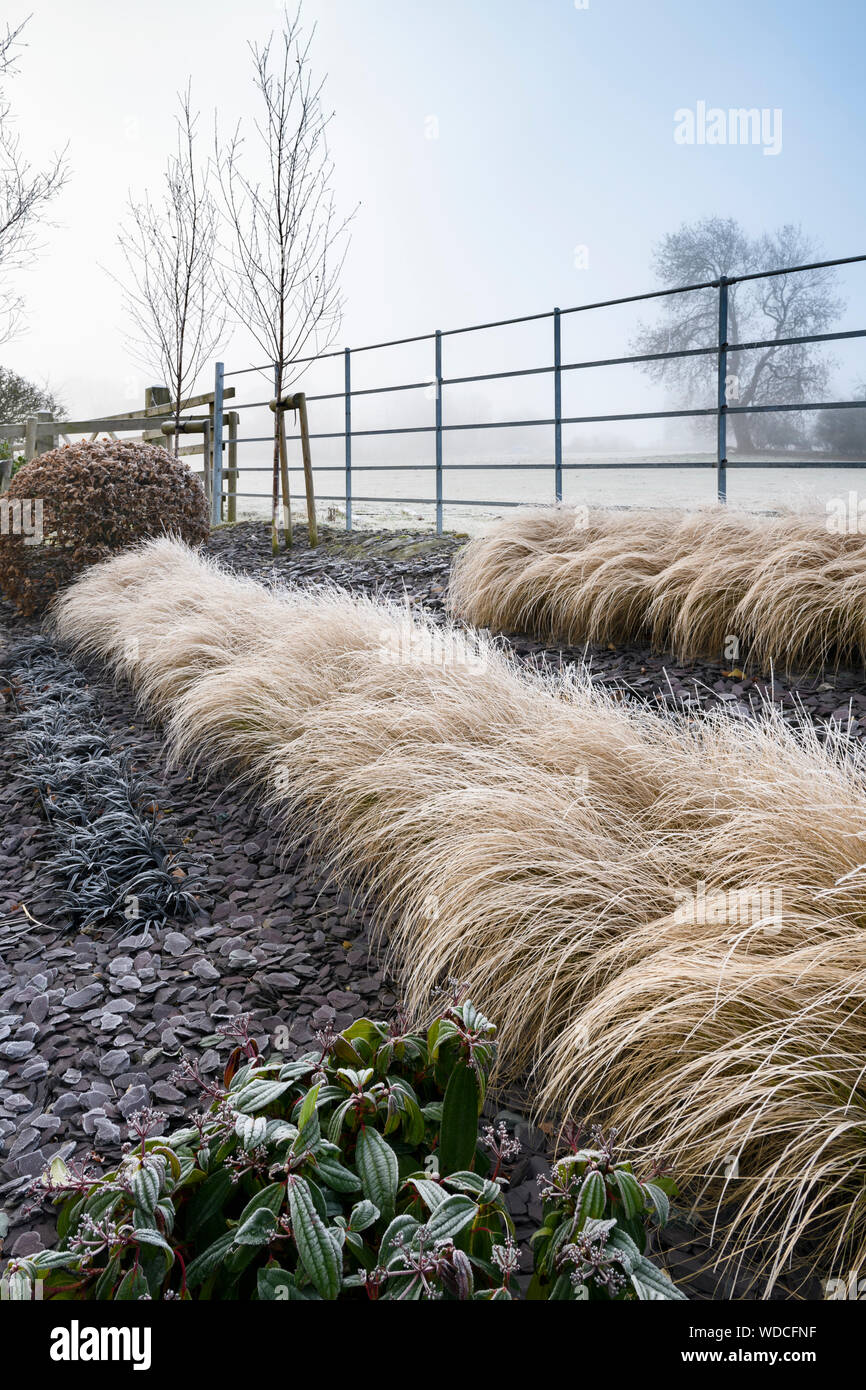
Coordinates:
[784,592]
[540,841]
[354,1172]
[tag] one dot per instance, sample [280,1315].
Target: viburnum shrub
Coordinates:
[97,497]
[592,1241]
[355,1171]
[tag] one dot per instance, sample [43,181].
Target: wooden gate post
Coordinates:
[156,395]
[232,420]
[208,464]
[284,480]
[49,439]
[279,409]
[298,402]
[30,445]
[301,402]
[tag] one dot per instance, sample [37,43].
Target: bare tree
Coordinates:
[173,295]
[281,270]
[784,306]
[24,194]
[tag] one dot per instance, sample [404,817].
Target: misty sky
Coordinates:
[554,129]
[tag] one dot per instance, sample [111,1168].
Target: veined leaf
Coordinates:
[132,1286]
[431,1194]
[451,1216]
[209,1199]
[591,1198]
[257,1228]
[376,1162]
[364,1214]
[257,1094]
[210,1259]
[308,1106]
[278,1285]
[151,1237]
[459,1133]
[660,1201]
[251,1130]
[630,1191]
[335,1124]
[336,1176]
[653,1284]
[484,1189]
[317,1251]
[145,1187]
[405,1226]
[620,1240]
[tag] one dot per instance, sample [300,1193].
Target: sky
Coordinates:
[502,157]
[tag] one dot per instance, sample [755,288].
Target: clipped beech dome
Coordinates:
[74,506]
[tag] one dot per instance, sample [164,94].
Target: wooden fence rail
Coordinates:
[41,432]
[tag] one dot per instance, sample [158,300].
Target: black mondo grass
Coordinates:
[107,862]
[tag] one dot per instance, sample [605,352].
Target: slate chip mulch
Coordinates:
[93,1022]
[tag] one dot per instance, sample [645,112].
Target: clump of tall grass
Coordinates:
[667,917]
[791,589]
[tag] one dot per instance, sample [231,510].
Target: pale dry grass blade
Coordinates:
[666,917]
[789,591]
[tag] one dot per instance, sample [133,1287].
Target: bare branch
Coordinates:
[25,194]
[281,270]
[173,297]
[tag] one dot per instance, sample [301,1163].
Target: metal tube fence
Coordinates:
[721,349]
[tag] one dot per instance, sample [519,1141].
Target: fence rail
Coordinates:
[223,470]
[152,424]
[721,349]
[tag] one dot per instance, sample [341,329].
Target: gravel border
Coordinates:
[93,1023]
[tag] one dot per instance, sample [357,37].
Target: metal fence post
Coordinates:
[217,482]
[722,402]
[347,360]
[557,405]
[438,432]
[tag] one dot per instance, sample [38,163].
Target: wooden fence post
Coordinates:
[156,395]
[206,460]
[312,525]
[232,504]
[49,440]
[284,479]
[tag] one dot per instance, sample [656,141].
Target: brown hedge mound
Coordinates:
[97,497]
